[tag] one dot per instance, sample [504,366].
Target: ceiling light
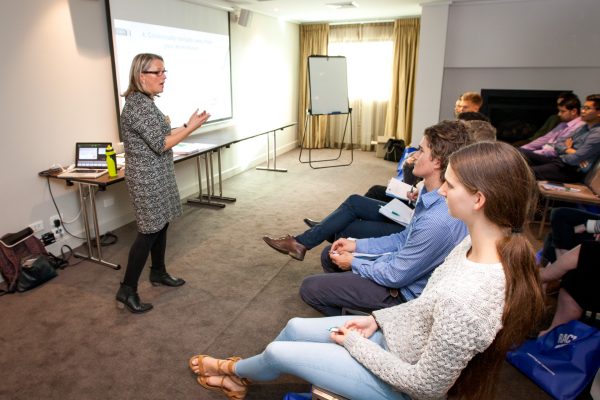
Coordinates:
[347,4]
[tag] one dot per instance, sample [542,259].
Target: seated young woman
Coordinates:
[481,301]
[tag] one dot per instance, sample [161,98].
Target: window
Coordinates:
[369,68]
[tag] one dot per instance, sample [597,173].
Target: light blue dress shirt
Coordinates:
[416,251]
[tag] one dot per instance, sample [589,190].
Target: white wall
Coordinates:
[524,44]
[58,90]
[430,68]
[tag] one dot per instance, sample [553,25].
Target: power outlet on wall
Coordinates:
[37,226]
[56,226]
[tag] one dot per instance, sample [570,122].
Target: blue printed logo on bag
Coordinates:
[562,362]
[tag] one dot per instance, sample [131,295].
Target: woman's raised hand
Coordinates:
[197,119]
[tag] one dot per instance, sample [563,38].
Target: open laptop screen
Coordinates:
[91,155]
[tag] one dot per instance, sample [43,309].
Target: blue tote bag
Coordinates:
[562,362]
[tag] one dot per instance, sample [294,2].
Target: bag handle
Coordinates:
[12,239]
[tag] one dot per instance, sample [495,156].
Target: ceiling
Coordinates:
[310,11]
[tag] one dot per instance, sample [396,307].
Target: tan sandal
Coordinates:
[231,394]
[229,363]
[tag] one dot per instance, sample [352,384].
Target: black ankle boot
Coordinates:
[128,297]
[163,278]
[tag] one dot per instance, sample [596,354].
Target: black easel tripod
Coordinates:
[310,161]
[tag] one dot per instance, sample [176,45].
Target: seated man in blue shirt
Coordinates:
[407,258]
[576,154]
[357,216]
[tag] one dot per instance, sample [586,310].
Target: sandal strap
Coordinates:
[240,381]
[226,366]
[234,394]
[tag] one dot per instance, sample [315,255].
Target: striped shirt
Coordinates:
[416,251]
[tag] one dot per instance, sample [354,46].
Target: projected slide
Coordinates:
[197,64]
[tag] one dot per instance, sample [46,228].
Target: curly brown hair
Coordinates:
[445,138]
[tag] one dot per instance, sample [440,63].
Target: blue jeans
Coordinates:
[304,349]
[356,217]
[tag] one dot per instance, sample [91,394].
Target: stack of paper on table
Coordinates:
[397,211]
[398,189]
[120,160]
[559,187]
[184,148]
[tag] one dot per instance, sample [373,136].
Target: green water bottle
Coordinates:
[111,161]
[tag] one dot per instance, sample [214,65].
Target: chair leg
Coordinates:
[543,221]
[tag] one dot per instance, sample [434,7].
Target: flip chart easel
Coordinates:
[328,85]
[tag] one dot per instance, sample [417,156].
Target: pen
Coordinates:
[395,213]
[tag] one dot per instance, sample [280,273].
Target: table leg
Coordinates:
[268,167]
[87,197]
[205,199]
[220,197]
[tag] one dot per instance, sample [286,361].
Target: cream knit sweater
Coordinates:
[431,339]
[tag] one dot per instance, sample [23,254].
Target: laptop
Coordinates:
[90,161]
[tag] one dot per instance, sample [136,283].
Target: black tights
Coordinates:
[144,244]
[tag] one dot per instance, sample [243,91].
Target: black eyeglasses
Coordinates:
[587,108]
[157,73]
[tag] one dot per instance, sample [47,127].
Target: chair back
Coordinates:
[592,179]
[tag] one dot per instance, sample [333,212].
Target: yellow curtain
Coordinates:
[313,41]
[398,121]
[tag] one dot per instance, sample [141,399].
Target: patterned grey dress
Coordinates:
[149,170]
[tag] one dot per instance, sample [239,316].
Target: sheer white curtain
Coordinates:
[369,52]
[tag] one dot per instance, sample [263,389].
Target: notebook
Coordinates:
[90,161]
[398,212]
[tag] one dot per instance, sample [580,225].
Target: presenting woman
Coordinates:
[148,139]
[452,339]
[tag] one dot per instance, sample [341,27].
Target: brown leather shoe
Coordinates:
[287,245]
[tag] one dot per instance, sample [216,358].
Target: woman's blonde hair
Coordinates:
[501,174]
[140,63]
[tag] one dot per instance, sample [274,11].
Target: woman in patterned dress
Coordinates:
[148,139]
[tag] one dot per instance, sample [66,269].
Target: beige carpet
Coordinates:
[66,339]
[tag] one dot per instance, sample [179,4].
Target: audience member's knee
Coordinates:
[307,290]
[292,327]
[373,191]
[558,214]
[273,352]
[353,197]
